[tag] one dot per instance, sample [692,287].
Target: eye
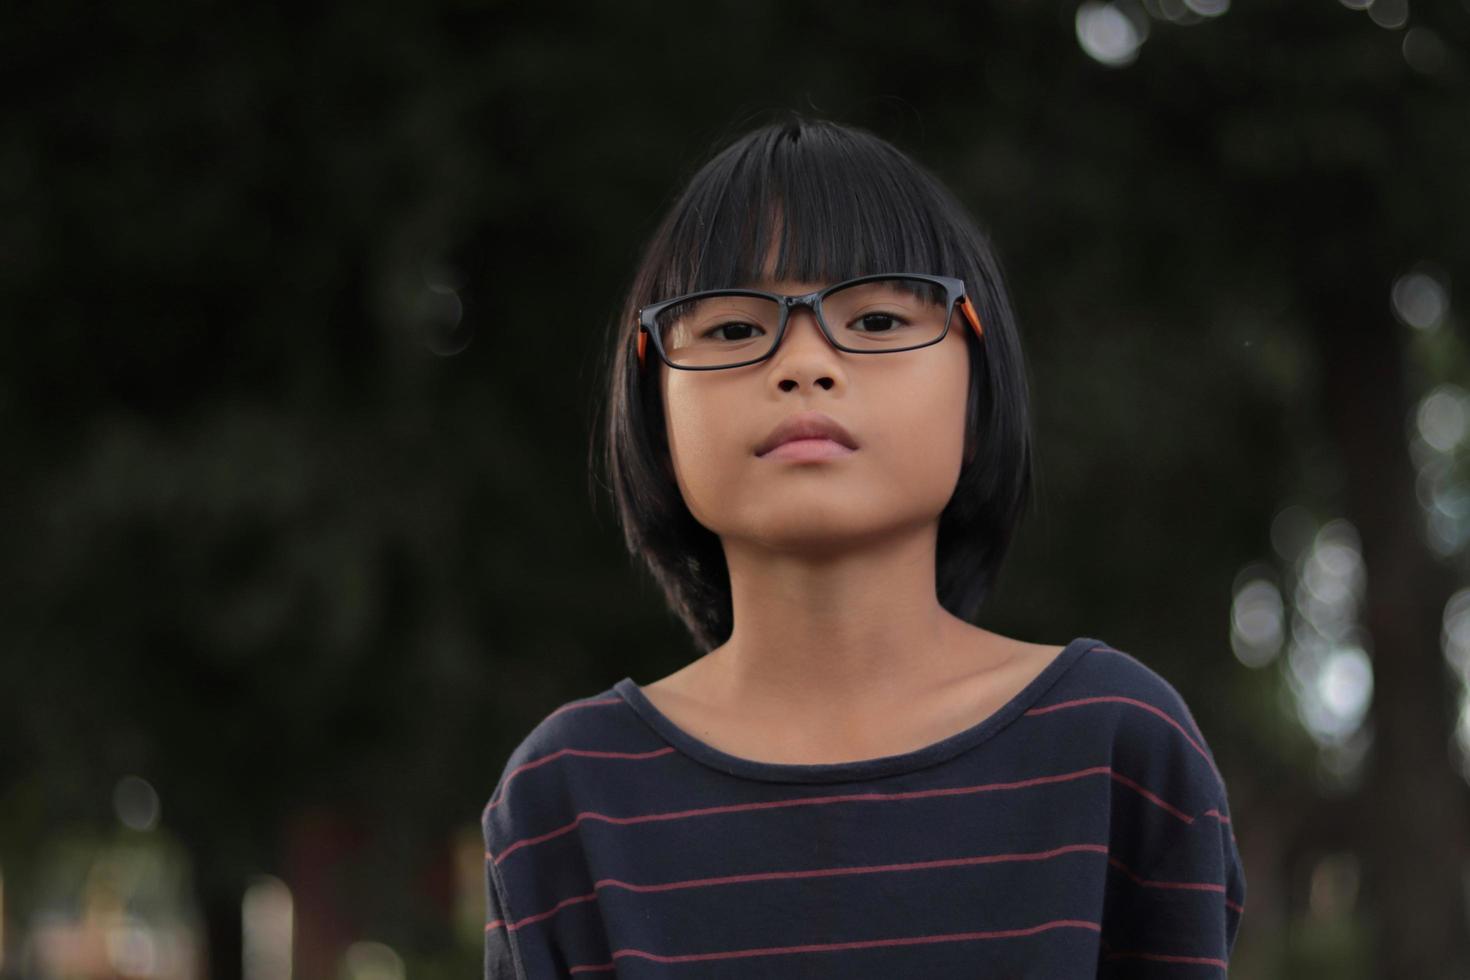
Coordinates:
[732,325]
[880,322]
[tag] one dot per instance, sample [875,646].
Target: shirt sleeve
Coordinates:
[502,959]
[1188,908]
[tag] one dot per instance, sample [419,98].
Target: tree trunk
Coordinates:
[1414,826]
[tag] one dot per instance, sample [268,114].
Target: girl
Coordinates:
[818,444]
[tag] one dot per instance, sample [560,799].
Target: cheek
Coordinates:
[924,435]
[706,436]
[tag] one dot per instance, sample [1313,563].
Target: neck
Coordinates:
[841,634]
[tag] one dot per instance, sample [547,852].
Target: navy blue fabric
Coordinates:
[1082,830]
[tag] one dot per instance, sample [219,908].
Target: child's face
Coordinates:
[905,410]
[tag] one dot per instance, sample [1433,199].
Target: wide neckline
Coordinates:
[831,772]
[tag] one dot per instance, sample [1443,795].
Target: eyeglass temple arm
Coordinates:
[966,308]
[969,311]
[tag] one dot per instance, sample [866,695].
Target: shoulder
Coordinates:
[1116,676]
[532,778]
[1119,671]
[1153,736]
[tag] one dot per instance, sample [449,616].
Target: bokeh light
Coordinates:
[267,925]
[439,316]
[1292,530]
[1108,35]
[1444,416]
[1207,8]
[1455,646]
[1424,51]
[1390,14]
[136,803]
[1185,12]
[1329,668]
[372,961]
[1438,428]
[1420,299]
[1257,618]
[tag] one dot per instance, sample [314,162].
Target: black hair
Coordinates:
[842,202]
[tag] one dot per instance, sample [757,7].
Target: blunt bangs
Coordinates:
[812,201]
[829,207]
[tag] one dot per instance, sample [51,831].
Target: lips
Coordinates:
[806,425]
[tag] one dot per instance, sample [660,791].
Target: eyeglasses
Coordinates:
[877,314]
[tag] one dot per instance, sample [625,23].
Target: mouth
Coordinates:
[808,450]
[803,427]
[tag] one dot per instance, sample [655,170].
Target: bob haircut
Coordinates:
[844,203]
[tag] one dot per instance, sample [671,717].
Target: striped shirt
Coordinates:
[1081,830]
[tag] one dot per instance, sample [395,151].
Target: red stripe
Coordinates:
[828,947]
[857,869]
[845,798]
[1212,812]
[587,753]
[1169,958]
[1200,886]
[852,870]
[573,706]
[581,704]
[806,873]
[1078,702]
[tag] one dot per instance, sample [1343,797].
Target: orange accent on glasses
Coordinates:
[969,311]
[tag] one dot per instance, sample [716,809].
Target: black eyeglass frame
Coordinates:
[954,290]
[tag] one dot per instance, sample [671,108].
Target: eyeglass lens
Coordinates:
[876,316]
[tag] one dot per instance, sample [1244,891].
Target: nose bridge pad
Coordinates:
[795,304]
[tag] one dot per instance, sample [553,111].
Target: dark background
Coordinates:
[298,378]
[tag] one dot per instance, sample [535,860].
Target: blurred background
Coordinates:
[304,309]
